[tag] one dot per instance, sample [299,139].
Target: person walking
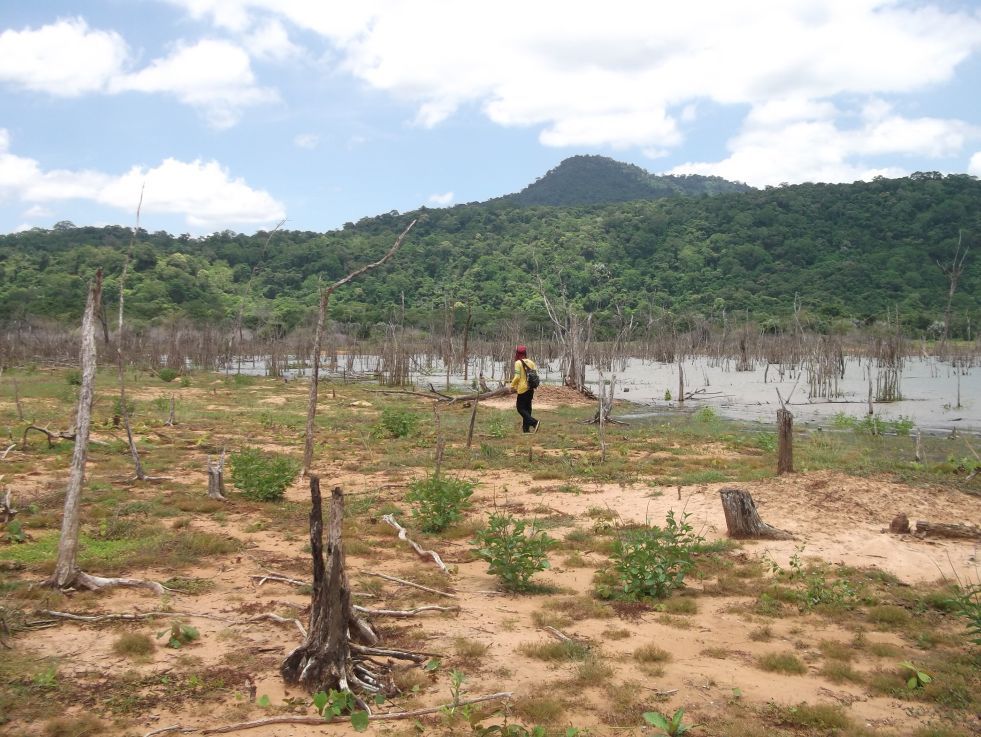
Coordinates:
[523,384]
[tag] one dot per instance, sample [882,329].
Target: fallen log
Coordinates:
[949,530]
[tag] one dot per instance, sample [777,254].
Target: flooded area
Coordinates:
[936,397]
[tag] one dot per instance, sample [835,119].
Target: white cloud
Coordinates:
[306,140]
[974,166]
[613,73]
[37,211]
[270,40]
[776,147]
[65,58]
[213,76]
[203,192]
[441,200]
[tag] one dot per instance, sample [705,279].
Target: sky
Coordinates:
[238,114]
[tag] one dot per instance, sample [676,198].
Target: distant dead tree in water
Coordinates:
[952,271]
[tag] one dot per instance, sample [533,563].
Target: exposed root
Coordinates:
[404,536]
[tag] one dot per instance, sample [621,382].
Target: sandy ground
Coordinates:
[837,519]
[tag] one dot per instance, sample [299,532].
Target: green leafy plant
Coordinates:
[179,634]
[967,602]
[513,550]
[917,678]
[263,476]
[333,704]
[669,725]
[440,501]
[167,374]
[399,423]
[14,532]
[498,425]
[650,562]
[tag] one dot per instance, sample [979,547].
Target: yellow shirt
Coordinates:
[520,381]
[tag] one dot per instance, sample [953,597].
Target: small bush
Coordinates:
[651,654]
[513,550]
[440,501]
[399,423]
[650,562]
[83,725]
[74,377]
[262,476]
[564,650]
[167,374]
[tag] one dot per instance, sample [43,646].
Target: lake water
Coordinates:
[929,389]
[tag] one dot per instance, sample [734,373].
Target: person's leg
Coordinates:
[532,422]
[523,405]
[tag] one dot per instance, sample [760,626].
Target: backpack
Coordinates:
[531,376]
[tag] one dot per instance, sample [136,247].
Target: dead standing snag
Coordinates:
[67,574]
[325,661]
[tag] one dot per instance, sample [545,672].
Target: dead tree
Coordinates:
[574,334]
[216,478]
[785,438]
[7,511]
[138,472]
[67,574]
[953,272]
[328,659]
[318,344]
[742,519]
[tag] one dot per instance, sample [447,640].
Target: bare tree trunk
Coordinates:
[323,661]
[785,444]
[67,573]
[743,520]
[318,342]
[66,568]
[681,383]
[473,421]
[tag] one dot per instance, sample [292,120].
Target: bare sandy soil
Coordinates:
[712,670]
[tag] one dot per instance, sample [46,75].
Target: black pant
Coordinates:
[524,409]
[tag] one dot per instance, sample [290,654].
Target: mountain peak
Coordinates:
[593,180]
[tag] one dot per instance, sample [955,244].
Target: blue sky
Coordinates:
[235,114]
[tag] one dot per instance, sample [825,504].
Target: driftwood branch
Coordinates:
[410,583]
[391,716]
[950,530]
[405,613]
[404,536]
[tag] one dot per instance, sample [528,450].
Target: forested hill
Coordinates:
[851,252]
[594,180]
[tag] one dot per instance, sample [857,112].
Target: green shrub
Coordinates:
[263,476]
[650,562]
[167,374]
[74,377]
[439,501]
[513,554]
[967,602]
[399,423]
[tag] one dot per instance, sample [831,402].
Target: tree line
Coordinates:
[827,256]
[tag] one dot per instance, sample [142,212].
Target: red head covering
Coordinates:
[520,352]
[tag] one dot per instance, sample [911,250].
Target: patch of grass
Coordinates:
[81,726]
[838,671]
[651,653]
[679,605]
[825,717]
[617,633]
[888,615]
[836,650]
[782,663]
[578,608]
[539,709]
[761,634]
[134,645]
[592,672]
[469,652]
[884,649]
[556,651]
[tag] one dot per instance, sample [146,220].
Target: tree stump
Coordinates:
[785,445]
[324,661]
[946,529]
[744,521]
[216,478]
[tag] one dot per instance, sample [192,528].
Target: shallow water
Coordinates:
[935,397]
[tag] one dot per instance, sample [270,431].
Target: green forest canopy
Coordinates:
[852,252]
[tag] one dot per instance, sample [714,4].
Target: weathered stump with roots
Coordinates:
[324,661]
[743,520]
